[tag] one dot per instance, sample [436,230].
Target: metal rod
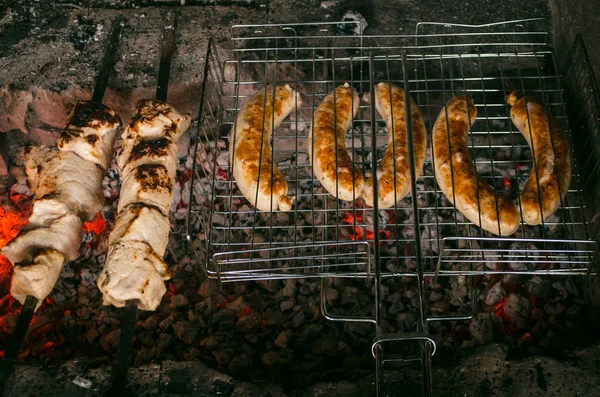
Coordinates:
[166,53]
[377,286]
[119,381]
[423,326]
[120,371]
[110,58]
[16,340]
[197,135]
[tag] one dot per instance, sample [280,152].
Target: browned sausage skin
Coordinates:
[327,145]
[394,169]
[551,171]
[457,177]
[259,180]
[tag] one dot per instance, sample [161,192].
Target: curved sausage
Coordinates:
[391,107]
[474,198]
[552,166]
[338,175]
[250,137]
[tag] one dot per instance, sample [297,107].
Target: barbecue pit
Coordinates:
[374,254]
[424,237]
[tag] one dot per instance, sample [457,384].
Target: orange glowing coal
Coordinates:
[6,270]
[13,218]
[349,218]
[498,309]
[245,311]
[96,226]
[360,232]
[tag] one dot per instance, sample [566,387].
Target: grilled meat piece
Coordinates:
[133,271]
[91,133]
[138,222]
[67,177]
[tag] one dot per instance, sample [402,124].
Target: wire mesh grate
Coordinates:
[322,236]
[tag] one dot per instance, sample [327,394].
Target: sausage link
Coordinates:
[457,177]
[396,156]
[336,172]
[250,150]
[551,171]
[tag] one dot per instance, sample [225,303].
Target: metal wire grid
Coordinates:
[432,70]
[321,236]
[583,111]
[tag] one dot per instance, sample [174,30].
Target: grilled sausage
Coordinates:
[551,171]
[457,177]
[390,105]
[259,180]
[338,175]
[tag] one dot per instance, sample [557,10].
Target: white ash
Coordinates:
[516,309]
[485,328]
[540,287]
[494,294]
[459,287]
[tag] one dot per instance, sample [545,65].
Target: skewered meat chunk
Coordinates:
[137,152]
[45,211]
[134,267]
[37,278]
[64,234]
[138,222]
[133,271]
[155,119]
[151,137]
[67,177]
[67,185]
[149,184]
[91,133]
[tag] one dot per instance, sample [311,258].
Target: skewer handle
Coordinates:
[16,340]
[166,52]
[109,60]
[119,381]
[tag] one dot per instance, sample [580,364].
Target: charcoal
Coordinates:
[186,331]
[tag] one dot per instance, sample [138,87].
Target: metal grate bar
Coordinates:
[424,236]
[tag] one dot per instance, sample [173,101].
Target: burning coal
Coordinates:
[360,231]
[14,217]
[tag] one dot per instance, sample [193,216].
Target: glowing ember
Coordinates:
[12,220]
[187,175]
[526,337]
[47,345]
[245,311]
[349,218]
[221,174]
[97,226]
[6,270]
[498,310]
[506,182]
[360,232]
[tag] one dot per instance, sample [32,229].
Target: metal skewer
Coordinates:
[110,58]
[16,340]
[20,331]
[121,368]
